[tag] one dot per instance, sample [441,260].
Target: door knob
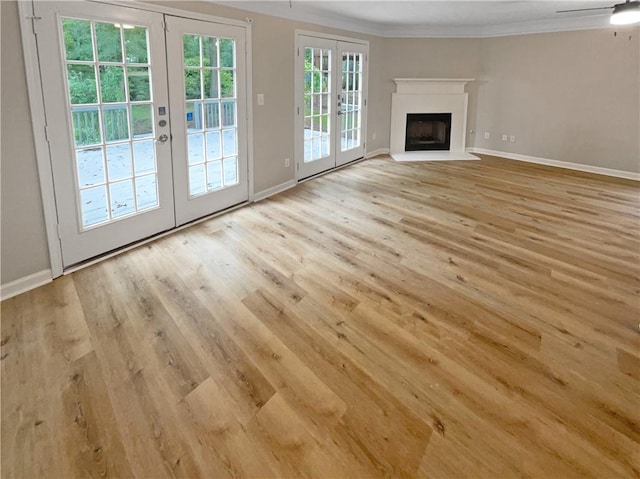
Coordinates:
[162,138]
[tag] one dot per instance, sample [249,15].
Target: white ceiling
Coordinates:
[431,18]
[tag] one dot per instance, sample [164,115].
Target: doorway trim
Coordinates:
[298,92]
[28,31]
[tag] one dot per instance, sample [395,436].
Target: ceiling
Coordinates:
[431,18]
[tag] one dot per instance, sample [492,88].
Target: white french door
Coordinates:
[208,116]
[125,160]
[331,82]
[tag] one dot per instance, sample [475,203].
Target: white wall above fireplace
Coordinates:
[429,95]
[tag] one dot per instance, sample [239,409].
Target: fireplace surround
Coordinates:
[423,96]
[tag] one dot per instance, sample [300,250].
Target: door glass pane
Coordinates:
[197,179]
[108,42]
[86,125]
[230,171]
[209,52]
[141,121]
[112,84]
[116,122]
[210,78]
[214,175]
[90,167]
[212,114]
[122,198]
[82,84]
[78,43]
[194,116]
[137,44]
[111,109]
[93,204]
[119,163]
[317,107]
[144,157]
[195,149]
[214,151]
[139,83]
[210,74]
[351,98]
[146,192]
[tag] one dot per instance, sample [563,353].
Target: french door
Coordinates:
[208,116]
[331,103]
[127,162]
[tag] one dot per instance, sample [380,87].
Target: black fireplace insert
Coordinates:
[428,131]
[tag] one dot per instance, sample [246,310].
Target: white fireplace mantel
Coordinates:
[429,95]
[441,86]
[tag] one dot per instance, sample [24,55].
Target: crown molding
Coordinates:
[309,14]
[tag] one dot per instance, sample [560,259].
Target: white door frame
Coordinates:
[298,92]
[28,29]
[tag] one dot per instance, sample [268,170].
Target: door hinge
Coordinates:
[365,102]
[298,52]
[59,231]
[298,109]
[47,134]
[34,19]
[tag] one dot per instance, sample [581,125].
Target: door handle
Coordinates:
[162,138]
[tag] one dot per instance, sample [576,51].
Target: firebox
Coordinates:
[428,131]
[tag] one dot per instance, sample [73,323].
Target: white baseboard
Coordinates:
[274,190]
[379,151]
[22,285]
[561,164]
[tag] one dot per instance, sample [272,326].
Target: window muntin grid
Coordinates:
[211,112]
[351,100]
[108,81]
[317,105]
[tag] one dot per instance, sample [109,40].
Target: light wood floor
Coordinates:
[441,320]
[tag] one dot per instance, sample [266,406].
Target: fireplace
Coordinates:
[414,99]
[428,131]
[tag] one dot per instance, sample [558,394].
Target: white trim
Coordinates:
[248,42]
[24,284]
[433,155]
[274,190]
[328,36]
[379,151]
[305,12]
[560,164]
[176,12]
[332,170]
[38,122]
[492,31]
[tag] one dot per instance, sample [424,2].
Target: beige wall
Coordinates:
[565,96]
[24,241]
[423,58]
[273,75]
[573,76]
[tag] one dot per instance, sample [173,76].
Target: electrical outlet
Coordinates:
[373,137]
[504,137]
[486,135]
[512,139]
[287,163]
[260,99]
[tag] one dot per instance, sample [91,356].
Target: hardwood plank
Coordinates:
[445,319]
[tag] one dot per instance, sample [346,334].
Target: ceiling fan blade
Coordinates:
[584,9]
